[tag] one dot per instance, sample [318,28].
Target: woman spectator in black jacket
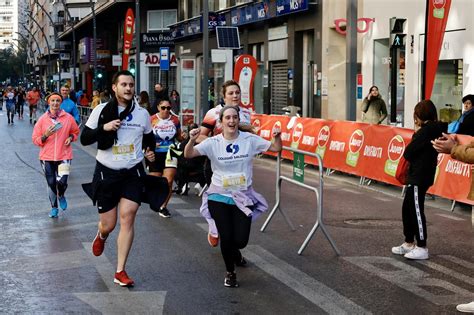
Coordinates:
[423,159]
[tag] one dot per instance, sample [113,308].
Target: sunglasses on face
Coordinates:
[165,107]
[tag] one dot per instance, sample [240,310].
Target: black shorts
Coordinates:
[112,185]
[162,160]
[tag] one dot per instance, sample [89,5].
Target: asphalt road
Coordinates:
[46,266]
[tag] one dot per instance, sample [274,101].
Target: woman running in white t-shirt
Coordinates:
[230,204]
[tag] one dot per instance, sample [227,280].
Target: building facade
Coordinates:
[283,36]
[8,20]
[454,77]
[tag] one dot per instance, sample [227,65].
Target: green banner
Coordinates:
[298,167]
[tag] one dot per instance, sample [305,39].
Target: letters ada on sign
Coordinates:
[156,40]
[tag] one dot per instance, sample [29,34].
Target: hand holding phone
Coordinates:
[57,126]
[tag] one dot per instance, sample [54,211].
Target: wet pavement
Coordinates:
[46,266]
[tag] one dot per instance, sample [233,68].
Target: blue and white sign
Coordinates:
[164,58]
[290,6]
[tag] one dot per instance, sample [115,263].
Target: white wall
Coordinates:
[457,45]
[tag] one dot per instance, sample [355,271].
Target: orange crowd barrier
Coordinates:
[371,151]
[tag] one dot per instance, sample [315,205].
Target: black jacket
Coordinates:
[467,125]
[421,154]
[106,139]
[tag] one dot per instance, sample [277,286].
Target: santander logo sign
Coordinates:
[323,136]
[396,147]
[356,141]
[297,133]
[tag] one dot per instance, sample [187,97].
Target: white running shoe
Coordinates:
[418,253]
[403,249]
[466,308]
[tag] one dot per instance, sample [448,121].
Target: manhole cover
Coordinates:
[373,223]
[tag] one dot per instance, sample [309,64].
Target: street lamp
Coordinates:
[55,36]
[94,43]
[44,34]
[32,36]
[73,44]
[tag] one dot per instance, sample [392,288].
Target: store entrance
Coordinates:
[447,89]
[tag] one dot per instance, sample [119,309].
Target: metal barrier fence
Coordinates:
[84,113]
[319,198]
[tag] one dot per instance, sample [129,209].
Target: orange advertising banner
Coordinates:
[361,149]
[453,178]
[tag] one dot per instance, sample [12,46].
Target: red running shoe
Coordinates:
[98,245]
[213,241]
[122,279]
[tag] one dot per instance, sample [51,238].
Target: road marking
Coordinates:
[459,261]
[412,279]
[448,216]
[120,300]
[188,213]
[177,201]
[203,226]
[447,271]
[352,191]
[383,199]
[19,232]
[125,302]
[316,292]
[44,208]
[50,262]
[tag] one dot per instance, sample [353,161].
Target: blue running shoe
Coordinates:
[53,213]
[63,202]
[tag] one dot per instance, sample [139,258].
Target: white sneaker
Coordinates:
[198,188]
[418,253]
[403,249]
[466,308]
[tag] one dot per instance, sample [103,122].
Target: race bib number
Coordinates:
[64,169]
[234,182]
[123,152]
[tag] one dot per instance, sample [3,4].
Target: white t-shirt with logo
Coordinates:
[129,136]
[231,160]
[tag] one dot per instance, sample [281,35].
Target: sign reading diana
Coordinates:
[156,40]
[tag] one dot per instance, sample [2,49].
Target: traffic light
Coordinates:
[397,32]
[131,66]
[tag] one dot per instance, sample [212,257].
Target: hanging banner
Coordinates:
[245,70]
[436,19]
[127,37]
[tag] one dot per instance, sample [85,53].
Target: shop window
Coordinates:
[447,89]
[158,20]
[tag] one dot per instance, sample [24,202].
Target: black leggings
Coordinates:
[19,108]
[10,113]
[57,185]
[413,215]
[234,231]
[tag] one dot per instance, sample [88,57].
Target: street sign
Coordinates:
[164,58]
[298,167]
